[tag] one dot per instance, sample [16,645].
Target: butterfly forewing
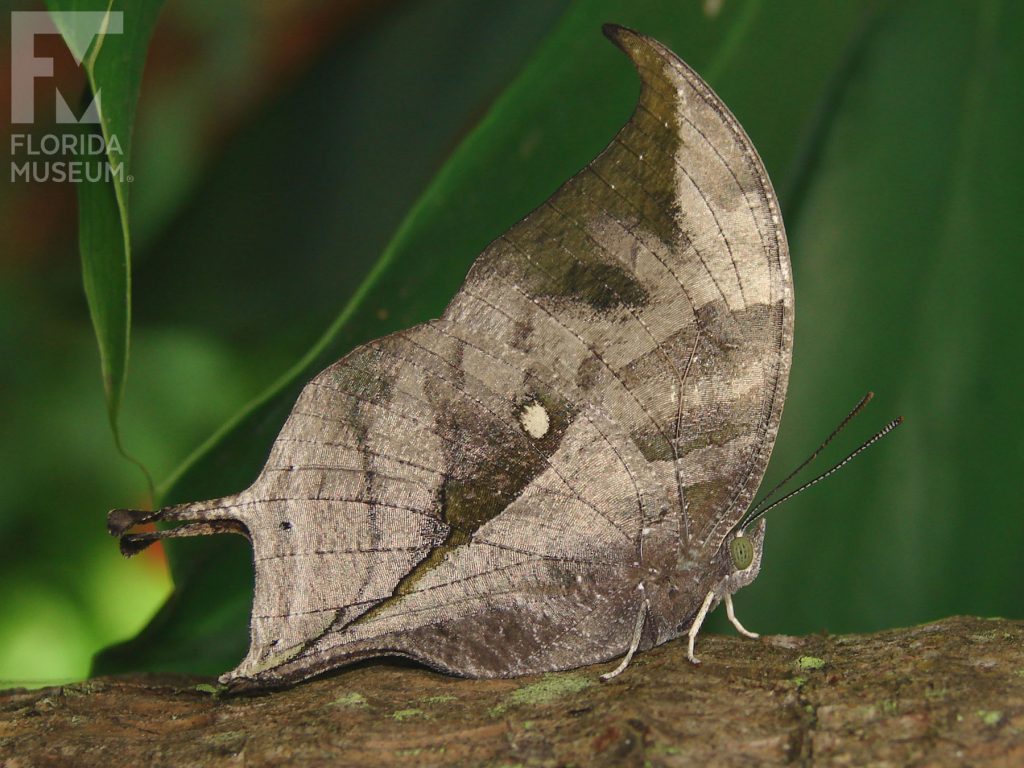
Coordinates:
[659,276]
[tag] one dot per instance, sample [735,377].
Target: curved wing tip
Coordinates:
[611,30]
[635,44]
[619,34]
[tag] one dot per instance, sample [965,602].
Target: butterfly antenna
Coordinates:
[751,517]
[849,417]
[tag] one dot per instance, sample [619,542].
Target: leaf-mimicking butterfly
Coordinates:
[553,473]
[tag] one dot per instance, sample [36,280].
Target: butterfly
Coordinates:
[556,471]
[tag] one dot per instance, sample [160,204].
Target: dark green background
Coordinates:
[419,133]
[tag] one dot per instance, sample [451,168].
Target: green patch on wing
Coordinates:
[717,434]
[653,445]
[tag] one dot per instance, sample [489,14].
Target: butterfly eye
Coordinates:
[742,551]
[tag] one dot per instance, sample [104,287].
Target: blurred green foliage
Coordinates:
[890,130]
[113,65]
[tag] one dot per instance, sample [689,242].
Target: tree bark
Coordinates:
[947,693]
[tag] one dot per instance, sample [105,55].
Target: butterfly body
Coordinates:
[549,475]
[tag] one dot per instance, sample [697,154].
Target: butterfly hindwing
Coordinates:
[529,528]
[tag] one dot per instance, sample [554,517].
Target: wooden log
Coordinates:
[946,693]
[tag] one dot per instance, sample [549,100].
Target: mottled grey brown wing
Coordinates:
[485,492]
[660,276]
[406,508]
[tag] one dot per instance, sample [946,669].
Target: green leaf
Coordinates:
[557,115]
[113,61]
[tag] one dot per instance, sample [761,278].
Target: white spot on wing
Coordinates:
[535,420]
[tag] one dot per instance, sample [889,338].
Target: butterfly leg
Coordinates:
[731,613]
[638,631]
[698,620]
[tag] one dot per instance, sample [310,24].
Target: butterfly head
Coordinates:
[741,553]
